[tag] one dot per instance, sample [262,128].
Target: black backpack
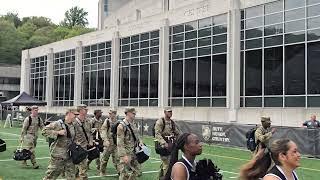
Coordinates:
[114,131]
[163,122]
[251,140]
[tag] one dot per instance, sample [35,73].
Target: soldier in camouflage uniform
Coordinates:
[63,132]
[164,133]
[110,148]
[96,124]
[126,146]
[29,134]
[264,133]
[83,131]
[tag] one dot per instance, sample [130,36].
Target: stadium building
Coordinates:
[211,60]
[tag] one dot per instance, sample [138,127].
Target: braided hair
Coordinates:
[181,141]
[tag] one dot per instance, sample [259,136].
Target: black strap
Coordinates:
[173,126]
[68,131]
[84,131]
[108,124]
[276,172]
[134,137]
[30,121]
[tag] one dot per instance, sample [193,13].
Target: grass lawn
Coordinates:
[228,160]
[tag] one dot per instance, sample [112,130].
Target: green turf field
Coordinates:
[228,159]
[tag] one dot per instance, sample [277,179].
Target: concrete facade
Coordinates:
[9,81]
[144,16]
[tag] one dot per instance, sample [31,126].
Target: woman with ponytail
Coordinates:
[285,156]
[184,168]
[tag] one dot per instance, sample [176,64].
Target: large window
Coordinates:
[63,78]
[139,69]
[198,63]
[96,72]
[278,44]
[38,77]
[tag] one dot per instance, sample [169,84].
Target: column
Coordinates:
[101,15]
[115,59]
[163,87]
[25,72]
[78,74]
[233,68]
[49,78]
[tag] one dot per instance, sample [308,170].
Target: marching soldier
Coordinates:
[166,133]
[96,124]
[110,146]
[29,134]
[83,138]
[63,132]
[264,133]
[127,140]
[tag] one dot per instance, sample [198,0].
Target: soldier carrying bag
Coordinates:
[142,153]
[75,151]
[162,151]
[93,151]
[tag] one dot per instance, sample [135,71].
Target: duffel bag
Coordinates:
[3,146]
[93,153]
[22,154]
[77,153]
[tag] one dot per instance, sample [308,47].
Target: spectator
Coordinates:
[184,169]
[313,123]
[286,157]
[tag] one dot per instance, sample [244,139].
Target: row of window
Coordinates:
[63,78]
[277,67]
[96,74]
[38,73]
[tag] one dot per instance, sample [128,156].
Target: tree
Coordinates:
[78,30]
[12,17]
[27,30]
[60,33]
[40,22]
[36,40]
[75,17]
[11,43]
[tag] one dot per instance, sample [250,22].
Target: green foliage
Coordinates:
[11,43]
[77,30]
[75,17]
[17,34]
[12,17]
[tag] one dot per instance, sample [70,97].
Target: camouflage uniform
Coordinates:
[163,137]
[109,147]
[263,135]
[96,129]
[60,161]
[29,135]
[81,140]
[126,145]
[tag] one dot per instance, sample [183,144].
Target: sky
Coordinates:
[53,9]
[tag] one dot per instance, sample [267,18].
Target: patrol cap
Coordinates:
[265,119]
[97,111]
[130,109]
[81,106]
[34,107]
[168,109]
[113,111]
[72,110]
